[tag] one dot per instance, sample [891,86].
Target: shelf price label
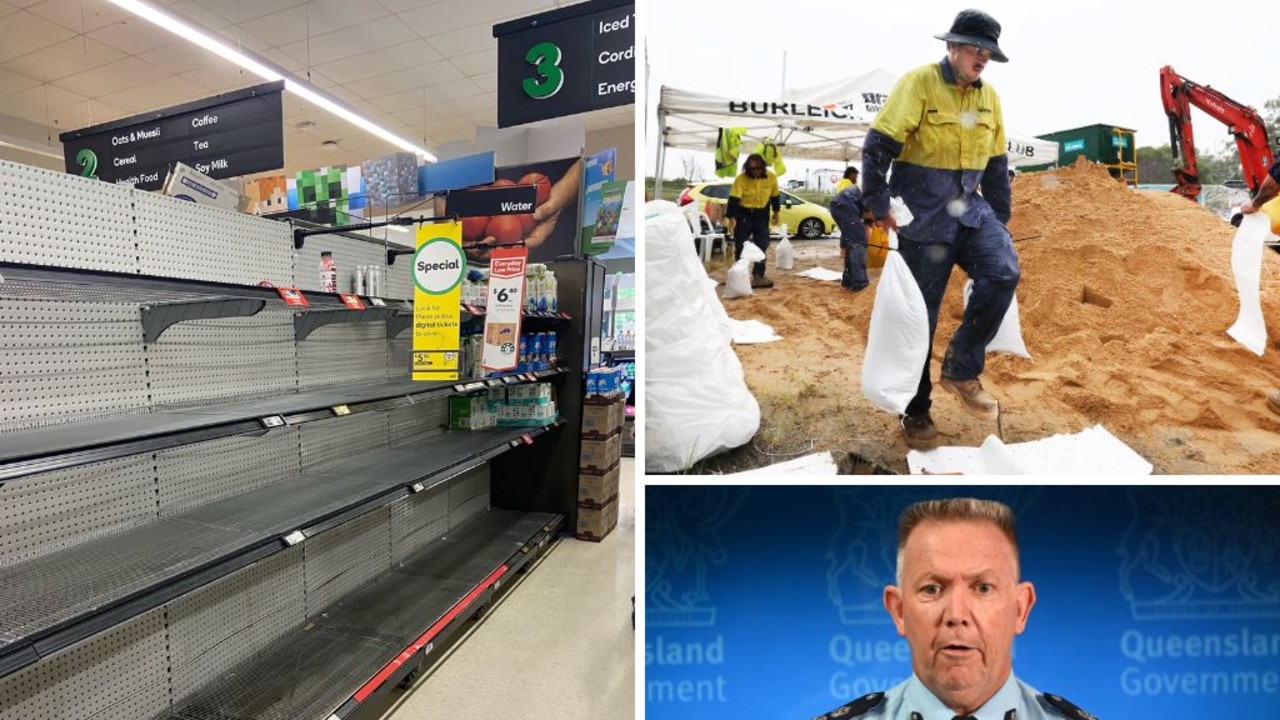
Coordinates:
[438,268]
[502,313]
[353,302]
[272,421]
[292,296]
[378,302]
[527,439]
[294,538]
[341,410]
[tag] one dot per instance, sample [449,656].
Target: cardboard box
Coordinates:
[600,455]
[599,421]
[595,489]
[595,524]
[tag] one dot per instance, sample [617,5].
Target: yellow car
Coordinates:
[803,218]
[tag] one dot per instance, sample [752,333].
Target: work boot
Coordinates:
[760,281]
[977,401]
[919,432]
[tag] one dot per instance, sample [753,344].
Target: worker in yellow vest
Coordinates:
[753,194]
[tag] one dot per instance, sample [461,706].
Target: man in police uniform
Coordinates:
[959,603]
[943,132]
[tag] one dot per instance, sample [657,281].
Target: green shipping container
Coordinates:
[1098,143]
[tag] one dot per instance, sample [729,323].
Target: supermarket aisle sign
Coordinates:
[438,268]
[222,136]
[502,316]
[566,61]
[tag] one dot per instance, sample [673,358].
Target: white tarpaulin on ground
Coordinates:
[821,273]
[815,464]
[821,122]
[1092,451]
[752,332]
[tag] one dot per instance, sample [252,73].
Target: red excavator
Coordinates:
[1242,121]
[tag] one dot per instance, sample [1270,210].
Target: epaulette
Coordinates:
[1066,707]
[861,706]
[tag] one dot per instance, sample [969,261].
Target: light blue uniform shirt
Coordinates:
[911,700]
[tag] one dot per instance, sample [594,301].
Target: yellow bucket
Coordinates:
[877,246]
[1272,209]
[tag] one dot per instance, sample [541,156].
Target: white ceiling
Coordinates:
[424,69]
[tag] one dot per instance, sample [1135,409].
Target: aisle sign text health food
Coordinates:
[438,268]
[572,60]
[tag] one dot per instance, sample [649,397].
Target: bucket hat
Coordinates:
[974,27]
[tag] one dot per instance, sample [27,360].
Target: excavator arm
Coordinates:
[1243,122]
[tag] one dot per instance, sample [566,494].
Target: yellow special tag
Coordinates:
[439,266]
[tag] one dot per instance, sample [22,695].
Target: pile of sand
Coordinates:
[1125,300]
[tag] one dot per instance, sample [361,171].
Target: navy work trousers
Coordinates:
[853,238]
[752,225]
[986,254]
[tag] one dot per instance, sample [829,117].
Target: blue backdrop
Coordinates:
[765,602]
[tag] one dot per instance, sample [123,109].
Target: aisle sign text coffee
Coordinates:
[224,136]
[572,60]
[438,268]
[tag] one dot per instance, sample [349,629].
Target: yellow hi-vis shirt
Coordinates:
[940,125]
[944,142]
[754,193]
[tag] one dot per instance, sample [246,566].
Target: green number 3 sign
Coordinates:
[548,78]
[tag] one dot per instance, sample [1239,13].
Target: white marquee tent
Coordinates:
[823,122]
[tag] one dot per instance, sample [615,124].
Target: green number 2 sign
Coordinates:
[548,78]
[88,161]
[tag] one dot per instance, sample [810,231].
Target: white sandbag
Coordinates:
[737,281]
[901,213]
[696,400]
[751,252]
[1246,263]
[898,340]
[1008,338]
[697,404]
[786,254]
[686,293]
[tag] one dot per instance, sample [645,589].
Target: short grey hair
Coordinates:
[957,510]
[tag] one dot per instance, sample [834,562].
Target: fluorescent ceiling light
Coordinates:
[261,69]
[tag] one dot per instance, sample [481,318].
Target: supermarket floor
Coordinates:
[559,645]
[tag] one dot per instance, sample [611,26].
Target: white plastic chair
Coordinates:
[705,234]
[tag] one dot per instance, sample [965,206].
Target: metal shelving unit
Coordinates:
[380,633]
[58,599]
[60,447]
[217,504]
[165,302]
